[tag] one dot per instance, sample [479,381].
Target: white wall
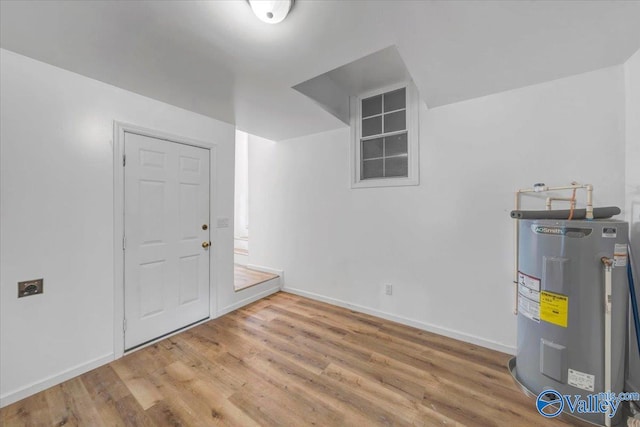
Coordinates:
[241,221]
[446,245]
[632,92]
[57,217]
[632,74]
[264,179]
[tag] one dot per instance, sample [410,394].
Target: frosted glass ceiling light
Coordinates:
[271,11]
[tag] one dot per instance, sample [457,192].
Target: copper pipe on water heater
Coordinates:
[542,188]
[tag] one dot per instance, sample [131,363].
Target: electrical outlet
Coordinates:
[30,287]
[388,289]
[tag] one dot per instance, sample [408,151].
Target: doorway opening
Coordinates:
[245,275]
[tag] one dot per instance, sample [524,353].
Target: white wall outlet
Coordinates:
[388,289]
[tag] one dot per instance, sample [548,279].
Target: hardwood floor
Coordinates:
[290,361]
[245,277]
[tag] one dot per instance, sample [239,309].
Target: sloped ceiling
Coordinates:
[215,58]
[332,89]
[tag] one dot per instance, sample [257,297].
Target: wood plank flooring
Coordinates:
[290,361]
[245,277]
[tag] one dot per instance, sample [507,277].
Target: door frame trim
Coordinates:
[119,130]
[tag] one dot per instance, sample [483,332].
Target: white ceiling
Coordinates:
[217,59]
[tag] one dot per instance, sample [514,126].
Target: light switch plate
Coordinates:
[30,287]
[223,223]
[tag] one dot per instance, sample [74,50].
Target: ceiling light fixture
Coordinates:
[271,11]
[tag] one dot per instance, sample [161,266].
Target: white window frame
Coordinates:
[413,139]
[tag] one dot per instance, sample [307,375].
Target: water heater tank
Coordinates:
[561,306]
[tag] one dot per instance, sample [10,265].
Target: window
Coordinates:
[385,138]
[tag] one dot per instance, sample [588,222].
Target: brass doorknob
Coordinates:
[206,244]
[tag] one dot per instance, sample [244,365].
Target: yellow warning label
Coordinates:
[554,308]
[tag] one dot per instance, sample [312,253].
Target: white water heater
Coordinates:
[561,307]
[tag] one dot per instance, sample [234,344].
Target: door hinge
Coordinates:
[124,160]
[124,325]
[124,243]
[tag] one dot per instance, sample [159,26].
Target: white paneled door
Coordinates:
[166,225]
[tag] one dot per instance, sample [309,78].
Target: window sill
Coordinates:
[385,182]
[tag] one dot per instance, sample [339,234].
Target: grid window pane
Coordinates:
[395,100]
[384,136]
[396,166]
[395,145]
[372,106]
[372,169]
[372,126]
[395,121]
[372,148]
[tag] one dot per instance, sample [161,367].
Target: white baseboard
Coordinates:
[461,336]
[271,290]
[240,259]
[241,243]
[14,396]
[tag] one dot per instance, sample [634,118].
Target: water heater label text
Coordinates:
[561,231]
